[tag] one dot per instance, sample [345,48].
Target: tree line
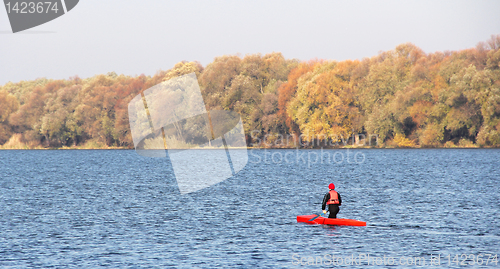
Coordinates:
[405,97]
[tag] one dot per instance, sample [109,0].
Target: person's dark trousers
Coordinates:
[334,209]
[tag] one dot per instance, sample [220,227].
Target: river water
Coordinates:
[93,208]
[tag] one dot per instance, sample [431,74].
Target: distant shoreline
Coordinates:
[252,148]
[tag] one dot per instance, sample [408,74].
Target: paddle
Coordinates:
[316,217]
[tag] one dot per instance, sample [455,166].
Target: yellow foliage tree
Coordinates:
[324,106]
[402,142]
[8,105]
[183,68]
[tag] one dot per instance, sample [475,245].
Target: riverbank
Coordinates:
[87,147]
[16,143]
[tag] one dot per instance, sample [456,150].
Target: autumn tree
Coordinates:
[8,105]
[325,106]
[287,91]
[404,96]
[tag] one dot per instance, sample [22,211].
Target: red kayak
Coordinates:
[321,220]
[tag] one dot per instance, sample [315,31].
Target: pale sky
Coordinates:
[142,37]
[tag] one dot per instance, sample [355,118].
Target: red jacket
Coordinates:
[326,199]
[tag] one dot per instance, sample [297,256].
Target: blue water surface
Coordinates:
[114,208]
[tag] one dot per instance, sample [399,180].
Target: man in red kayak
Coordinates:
[333,200]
